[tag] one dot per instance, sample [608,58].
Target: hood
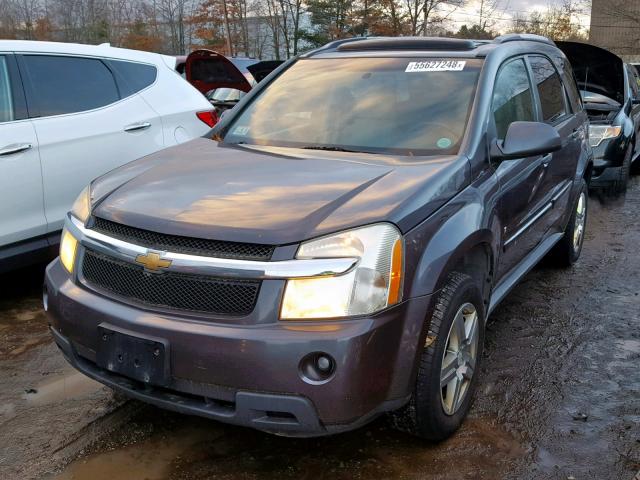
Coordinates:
[597,70]
[273,196]
[599,102]
[207,70]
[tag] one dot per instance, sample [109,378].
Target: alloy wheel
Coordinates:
[581,216]
[459,358]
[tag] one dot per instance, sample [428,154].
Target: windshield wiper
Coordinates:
[327,148]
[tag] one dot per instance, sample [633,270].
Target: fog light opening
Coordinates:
[317,368]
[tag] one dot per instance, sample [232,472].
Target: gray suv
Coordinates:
[332,250]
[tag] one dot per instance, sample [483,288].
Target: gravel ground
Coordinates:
[559,394]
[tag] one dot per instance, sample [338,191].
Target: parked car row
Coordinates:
[332,249]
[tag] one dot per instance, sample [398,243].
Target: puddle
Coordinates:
[188,447]
[70,386]
[151,459]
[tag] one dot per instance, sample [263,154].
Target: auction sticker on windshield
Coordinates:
[436,66]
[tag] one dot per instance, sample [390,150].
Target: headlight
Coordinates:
[81,208]
[375,283]
[600,133]
[68,248]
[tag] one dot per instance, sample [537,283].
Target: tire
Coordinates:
[567,251]
[635,166]
[425,415]
[619,185]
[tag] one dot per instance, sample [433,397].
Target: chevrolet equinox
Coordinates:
[332,249]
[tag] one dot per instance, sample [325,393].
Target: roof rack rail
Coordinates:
[334,45]
[410,43]
[523,37]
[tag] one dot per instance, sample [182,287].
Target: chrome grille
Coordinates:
[181,244]
[179,291]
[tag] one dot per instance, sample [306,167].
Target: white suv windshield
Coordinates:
[410,106]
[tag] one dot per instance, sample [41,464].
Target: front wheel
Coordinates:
[449,363]
[619,185]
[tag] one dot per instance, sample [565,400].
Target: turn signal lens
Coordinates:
[68,248]
[395,278]
[81,208]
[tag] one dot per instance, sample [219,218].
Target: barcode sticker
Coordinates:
[436,66]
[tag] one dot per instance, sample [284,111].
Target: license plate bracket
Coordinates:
[139,357]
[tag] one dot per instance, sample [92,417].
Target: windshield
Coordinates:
[410,106]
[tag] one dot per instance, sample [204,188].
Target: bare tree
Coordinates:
[28,12]
[487,10]
[422,13]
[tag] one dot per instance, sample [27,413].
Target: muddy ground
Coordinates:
[559,394]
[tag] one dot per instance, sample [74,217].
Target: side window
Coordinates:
[512,97]
[132,77]
[550,89]
[6,97]
[69,84]
[572,87]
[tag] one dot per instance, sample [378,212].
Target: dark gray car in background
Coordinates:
[610,90]
[333,249]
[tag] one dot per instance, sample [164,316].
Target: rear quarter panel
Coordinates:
[176,102]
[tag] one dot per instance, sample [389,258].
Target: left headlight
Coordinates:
[81,208]
[374,284]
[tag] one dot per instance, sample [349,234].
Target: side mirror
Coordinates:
[526,139]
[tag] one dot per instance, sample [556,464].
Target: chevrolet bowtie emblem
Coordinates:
[152,261]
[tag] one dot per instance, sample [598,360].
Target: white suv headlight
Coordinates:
[374,284]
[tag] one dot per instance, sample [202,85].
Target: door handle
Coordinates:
[134,127]
[15,148]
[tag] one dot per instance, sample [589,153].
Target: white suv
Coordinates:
[69,113]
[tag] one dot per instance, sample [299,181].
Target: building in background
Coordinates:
[615,25]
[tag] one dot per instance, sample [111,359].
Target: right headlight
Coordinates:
[600,133]
[374,284]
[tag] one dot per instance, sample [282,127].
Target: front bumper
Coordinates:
[250,374]
[608,159]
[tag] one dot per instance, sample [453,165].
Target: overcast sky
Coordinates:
[507,10]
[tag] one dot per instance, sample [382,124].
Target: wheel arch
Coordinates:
[460,243]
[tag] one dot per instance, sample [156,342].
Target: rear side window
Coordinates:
[69,84]
[550,89]
[6,98]
[570,83]
[132,77]
[512,97]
